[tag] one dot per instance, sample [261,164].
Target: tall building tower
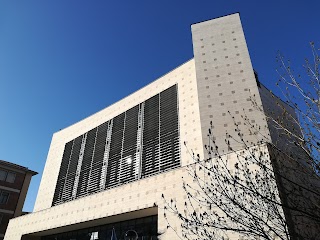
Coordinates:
[105,174]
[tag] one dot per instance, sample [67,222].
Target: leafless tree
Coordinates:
[269,190]
[302,93]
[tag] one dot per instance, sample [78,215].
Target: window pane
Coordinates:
[11,177]
[3,175]
[4,197]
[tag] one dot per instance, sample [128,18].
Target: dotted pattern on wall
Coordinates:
[225,80]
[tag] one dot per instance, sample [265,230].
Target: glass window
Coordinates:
[94,236]
[11,177]
[3,175]
[4,197]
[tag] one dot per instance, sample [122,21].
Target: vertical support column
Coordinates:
[121,154]
[177,92]
[106,156]
[94,148]
[76,181]
[139,149]
[159,152]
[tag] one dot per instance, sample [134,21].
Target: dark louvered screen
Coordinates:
[129,157]
[63,172]
[115,151]
[169,130]
[138,143]
[82,187]
[151,151]
[98,159]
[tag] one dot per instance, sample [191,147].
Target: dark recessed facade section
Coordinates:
[139,142]
[143,228]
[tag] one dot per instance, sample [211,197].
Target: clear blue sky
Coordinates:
[61,61]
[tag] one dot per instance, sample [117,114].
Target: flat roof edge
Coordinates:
[14,165]
[216,18]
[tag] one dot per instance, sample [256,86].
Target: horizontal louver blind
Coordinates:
[151,140]
[169,130]
[138,143]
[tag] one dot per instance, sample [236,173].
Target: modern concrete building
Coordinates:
[14,184]
[110,169]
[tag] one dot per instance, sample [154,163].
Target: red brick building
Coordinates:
[14,184]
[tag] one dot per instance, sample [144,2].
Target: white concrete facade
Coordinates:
[225,79]
[216,81]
